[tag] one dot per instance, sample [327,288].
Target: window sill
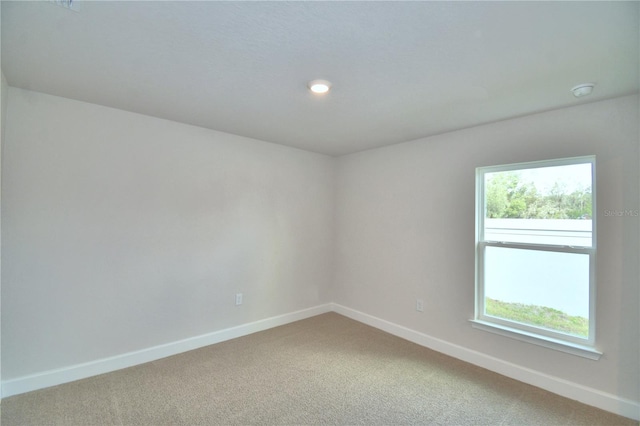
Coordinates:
[547,342]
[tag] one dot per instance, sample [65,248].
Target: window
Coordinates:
[535,253]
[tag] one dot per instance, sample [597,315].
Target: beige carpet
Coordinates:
[323,370]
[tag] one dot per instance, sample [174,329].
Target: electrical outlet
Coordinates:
[419,305]
[238,299]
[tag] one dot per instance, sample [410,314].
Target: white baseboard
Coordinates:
[106,365]
[590,396]
[584,394]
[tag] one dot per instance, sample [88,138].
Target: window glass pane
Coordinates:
[540,288]
[543,205]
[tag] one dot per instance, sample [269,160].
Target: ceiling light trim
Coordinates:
[319,86]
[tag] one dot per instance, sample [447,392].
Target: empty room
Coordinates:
[320,213]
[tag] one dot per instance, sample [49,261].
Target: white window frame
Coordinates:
[577,345]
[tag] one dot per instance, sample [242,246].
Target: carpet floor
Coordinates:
[323,370]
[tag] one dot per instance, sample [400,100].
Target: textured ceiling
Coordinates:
[400,70]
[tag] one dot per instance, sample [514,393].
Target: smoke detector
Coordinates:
[583,90]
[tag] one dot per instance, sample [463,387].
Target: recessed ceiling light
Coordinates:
[319,86]
[582,90]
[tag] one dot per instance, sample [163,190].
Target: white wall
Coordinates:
[3,93]
[4,89]
[405,230]
[123,231]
